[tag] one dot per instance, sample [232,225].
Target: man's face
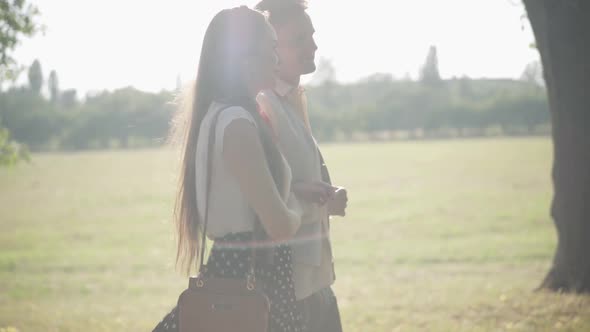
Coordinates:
[296,46]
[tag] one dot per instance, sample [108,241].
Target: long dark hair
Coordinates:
[231,35]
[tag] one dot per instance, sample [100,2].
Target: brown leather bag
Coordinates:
[222,304]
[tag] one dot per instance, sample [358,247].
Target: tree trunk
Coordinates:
[562,32]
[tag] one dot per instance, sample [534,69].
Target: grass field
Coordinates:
[440,236]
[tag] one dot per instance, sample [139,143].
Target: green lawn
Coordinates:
[440,236]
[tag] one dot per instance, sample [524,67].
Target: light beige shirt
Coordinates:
[313,267]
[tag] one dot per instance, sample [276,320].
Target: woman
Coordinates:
[313,269]
[249,178]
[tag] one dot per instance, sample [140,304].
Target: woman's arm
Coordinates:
[246,160]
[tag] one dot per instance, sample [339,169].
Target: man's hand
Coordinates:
[315,192]
[338,203]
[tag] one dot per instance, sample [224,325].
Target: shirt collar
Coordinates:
[283,88]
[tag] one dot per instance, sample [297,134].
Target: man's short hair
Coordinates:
[281,11]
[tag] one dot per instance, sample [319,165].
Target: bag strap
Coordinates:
[209,171]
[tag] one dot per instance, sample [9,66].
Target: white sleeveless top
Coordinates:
[229,212]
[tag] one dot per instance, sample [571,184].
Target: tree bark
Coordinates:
[562,32]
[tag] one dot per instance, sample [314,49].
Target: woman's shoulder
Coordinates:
[228,113]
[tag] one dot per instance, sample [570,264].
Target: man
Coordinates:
[286,107]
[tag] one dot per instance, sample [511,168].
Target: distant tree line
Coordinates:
[122,118]
[381,107]
[44,117]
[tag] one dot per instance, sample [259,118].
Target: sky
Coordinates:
[108,44]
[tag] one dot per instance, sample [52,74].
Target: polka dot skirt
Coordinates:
[276,280]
